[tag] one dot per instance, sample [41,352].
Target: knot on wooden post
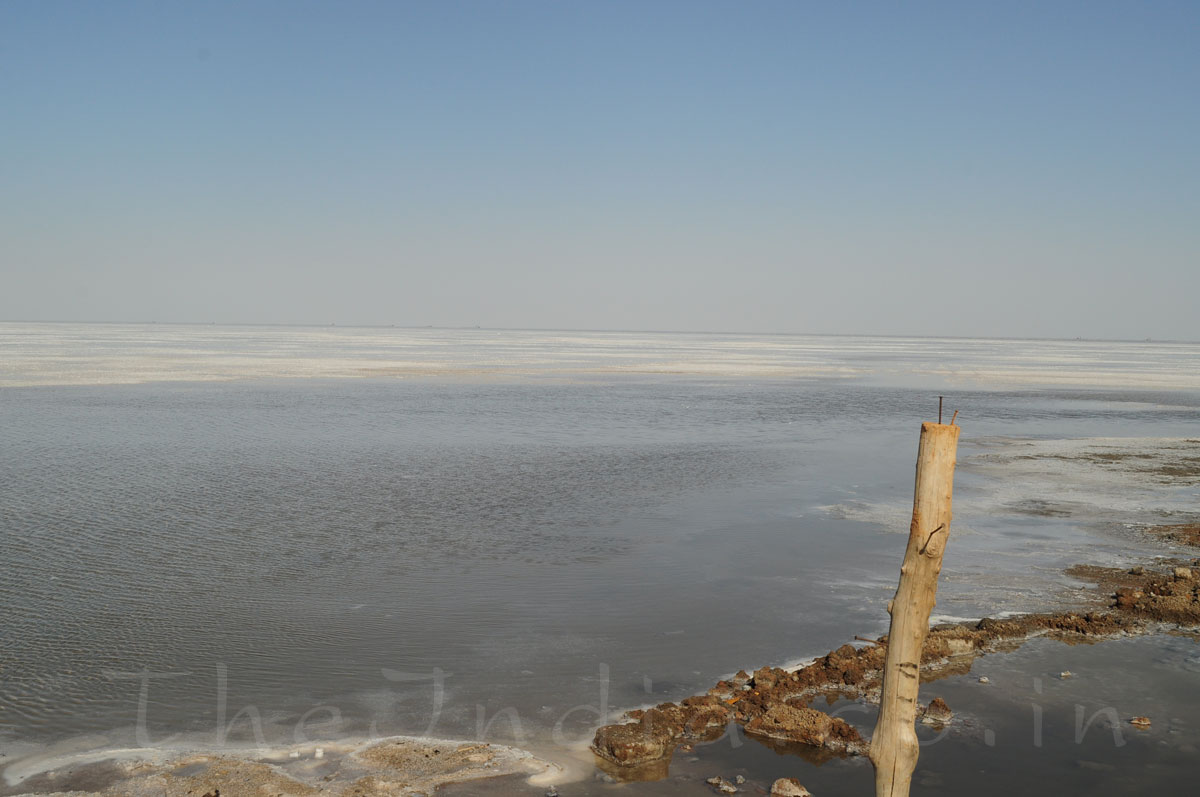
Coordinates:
[925,549]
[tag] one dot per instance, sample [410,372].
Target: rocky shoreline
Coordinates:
[775,704]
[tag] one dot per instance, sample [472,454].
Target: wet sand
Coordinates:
[399,765]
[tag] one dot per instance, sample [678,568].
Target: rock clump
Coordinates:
[721,786]
[937,713]
[655,732]
[789,787]
[795,723]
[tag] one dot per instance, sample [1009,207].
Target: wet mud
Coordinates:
[395,766]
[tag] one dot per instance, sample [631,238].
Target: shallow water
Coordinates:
[1029,731]
[506,535]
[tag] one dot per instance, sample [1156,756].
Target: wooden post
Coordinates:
[894,744]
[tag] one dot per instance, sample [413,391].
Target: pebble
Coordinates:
[721,785]
[1140,722]
[1065,674]
[936,713]
[983,679]
[551,792]
[319,753]
[294,754]
[1183,573]
[739,779]
[789,787]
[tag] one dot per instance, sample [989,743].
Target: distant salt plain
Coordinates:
[42,354]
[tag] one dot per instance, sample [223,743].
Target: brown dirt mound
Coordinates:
[657,731]
[792,723]
[1186,533]
[1174,599]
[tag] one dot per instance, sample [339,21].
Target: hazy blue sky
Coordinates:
[959,168]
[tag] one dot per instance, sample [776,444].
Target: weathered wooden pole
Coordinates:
[894,744]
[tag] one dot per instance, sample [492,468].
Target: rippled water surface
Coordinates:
[353,531]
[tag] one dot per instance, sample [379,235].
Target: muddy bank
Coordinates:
[1182,533]
[776,704]
[395,766]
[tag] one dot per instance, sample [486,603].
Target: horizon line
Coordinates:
[467,327]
